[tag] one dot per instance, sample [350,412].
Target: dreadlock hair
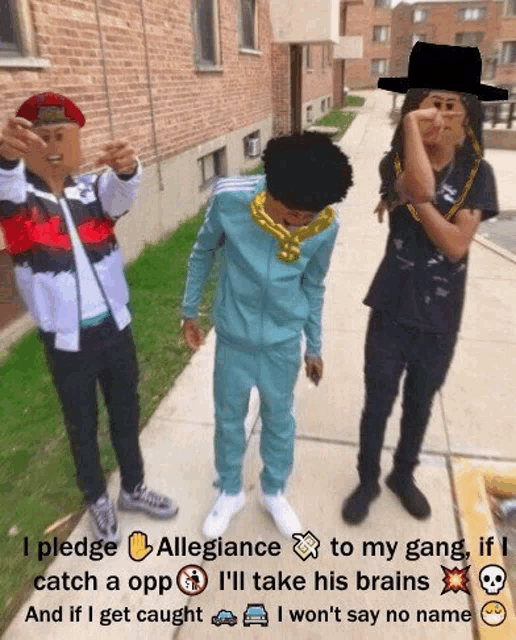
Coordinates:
[306,171]
[474,115]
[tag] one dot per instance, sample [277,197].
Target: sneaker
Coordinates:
[282,513]
[410,496]
[143,499]
[104,520]
[219,517]
[356,507]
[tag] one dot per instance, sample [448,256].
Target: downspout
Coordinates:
[110,114]
[151,104]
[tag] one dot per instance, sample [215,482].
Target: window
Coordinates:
[382,4]
[469,38]
[419,15]
[9,39]
[510,8]
[508,53]
[380,34]
[477,13]
[323,105]
[212,166]
[309,114]
[378,66]
[206,30]
[329,102]
[307,51]
[418,37]
[248,22]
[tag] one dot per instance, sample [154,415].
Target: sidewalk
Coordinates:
[473,416]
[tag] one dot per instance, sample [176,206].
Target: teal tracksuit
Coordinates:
[262,307]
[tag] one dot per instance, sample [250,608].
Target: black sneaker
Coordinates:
[356,507]
[104,520]
[410,496]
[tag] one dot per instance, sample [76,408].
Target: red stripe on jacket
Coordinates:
[29,230]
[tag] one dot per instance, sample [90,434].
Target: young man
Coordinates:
[437,189]
[277,234]
[59,231]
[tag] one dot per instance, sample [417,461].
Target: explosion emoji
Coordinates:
[455,579]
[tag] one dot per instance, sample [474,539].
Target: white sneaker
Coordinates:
[225,508]
[282,513]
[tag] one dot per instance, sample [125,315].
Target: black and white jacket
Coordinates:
[42,233]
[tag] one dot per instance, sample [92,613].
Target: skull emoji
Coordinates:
[492,578]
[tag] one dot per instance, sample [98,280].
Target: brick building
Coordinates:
[465,22]
[188,83]
[371,20]
[506,69]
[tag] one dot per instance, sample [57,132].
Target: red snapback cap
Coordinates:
[50,108]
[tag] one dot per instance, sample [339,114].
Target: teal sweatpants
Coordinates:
[274,372]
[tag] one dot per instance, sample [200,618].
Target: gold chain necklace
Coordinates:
[289,241]
[467,187]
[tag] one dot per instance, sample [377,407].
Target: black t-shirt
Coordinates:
[415,283]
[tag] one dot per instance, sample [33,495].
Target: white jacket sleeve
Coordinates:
[116,194]
[13,185]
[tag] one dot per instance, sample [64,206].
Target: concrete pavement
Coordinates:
[473,416]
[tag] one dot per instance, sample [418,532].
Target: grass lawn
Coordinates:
[354,101]
[337,118]
[37,476]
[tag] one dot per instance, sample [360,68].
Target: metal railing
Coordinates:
[500,113]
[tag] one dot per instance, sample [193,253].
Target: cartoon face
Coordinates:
[493,613]
[62,155]
[445,101]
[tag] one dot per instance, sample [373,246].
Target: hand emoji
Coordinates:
[138,547]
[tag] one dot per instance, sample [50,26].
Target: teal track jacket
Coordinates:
[260,301]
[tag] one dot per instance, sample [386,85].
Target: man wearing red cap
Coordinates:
[59,231]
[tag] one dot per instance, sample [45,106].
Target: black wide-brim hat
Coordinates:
[445,67]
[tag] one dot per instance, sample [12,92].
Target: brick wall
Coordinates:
[401,38]
[319,81]
[280,56]
[189,106]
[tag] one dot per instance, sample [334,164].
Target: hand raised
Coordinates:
[16,139]
[119,156]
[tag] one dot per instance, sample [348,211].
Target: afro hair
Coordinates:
[306,171]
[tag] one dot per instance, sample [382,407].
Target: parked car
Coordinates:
[224,617]
[256,614]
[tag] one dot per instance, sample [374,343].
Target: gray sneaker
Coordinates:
[152,503]
[104,520]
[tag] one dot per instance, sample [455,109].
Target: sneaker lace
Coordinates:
[104,514]
[152,498]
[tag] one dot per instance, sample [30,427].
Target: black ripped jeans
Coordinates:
[390,349]
[109,356]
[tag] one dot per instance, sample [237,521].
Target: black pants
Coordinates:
[390,349]
[109,356]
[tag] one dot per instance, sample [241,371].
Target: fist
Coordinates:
[193,334]
[314,369]
[16,139]
[119,156]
